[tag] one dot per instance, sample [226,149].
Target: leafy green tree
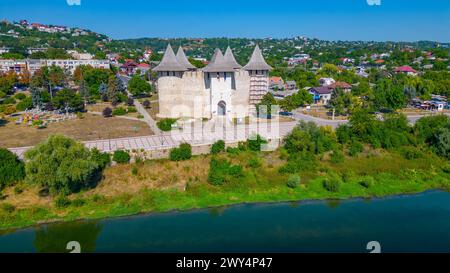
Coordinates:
[62,165]
[389,95]
[442,143]
[138,86]
[11,168]
[67,99]
[296,100]
[264,108]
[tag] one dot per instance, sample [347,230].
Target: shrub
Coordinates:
[26,103]
[10,109]
[166,124]
[337,156]
[303,161]
[78,202]
[146,104]
[134,170]
[130,102]
[121,157]
[332,183]
[222,171]
[131,109]
[11,168]
[367,181]
[255,144]
[446,168]
[293,181]
[347,175]
[355,148]
[62,165]
[410,153]
[62,201]
[232,150]
[254,162]
[218,147]
[18,190]
[20,96]
[37,122]
[119,111]
[8,208]
[107,112]
[102,159]
[9,100]
[184,152]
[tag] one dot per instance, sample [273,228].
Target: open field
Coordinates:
[91,127]
[162,185]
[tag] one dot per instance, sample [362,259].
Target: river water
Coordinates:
[414,223]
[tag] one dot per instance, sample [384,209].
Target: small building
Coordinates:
[326,81]
[276,83]
[406,69]
[129,67]
[143,68]
[321,94]
[291,85]
[343,85]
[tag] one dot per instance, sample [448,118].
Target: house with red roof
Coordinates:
[129,67]
[406,69]
[343,85]
[143,68]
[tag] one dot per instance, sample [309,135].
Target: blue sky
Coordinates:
[398,20]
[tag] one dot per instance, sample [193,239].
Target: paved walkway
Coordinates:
[140,108]
[195,136]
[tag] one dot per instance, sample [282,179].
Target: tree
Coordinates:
[264,108]
[442,143]
[62,165]
[11,168]
[67,99]
[7,81]
[138,86]
[296,100]
[36,97]
[84,91]
[389,95]
[114,89]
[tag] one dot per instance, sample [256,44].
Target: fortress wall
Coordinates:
[240,97]
[181,96]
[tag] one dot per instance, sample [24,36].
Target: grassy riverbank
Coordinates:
[163,185]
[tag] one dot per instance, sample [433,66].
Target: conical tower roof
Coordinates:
[257,61]
[218,64]
[230,60]
[183,60]
[169,62]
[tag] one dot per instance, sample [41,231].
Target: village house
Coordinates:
[276,83]
[342,85]
[405,69]
[321,94]
[326,81]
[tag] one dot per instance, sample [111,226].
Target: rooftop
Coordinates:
[169,62]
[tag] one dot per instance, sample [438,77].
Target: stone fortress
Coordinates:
[221,89]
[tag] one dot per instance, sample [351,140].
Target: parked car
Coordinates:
[285,113]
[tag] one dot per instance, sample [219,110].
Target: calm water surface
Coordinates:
[416,223]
